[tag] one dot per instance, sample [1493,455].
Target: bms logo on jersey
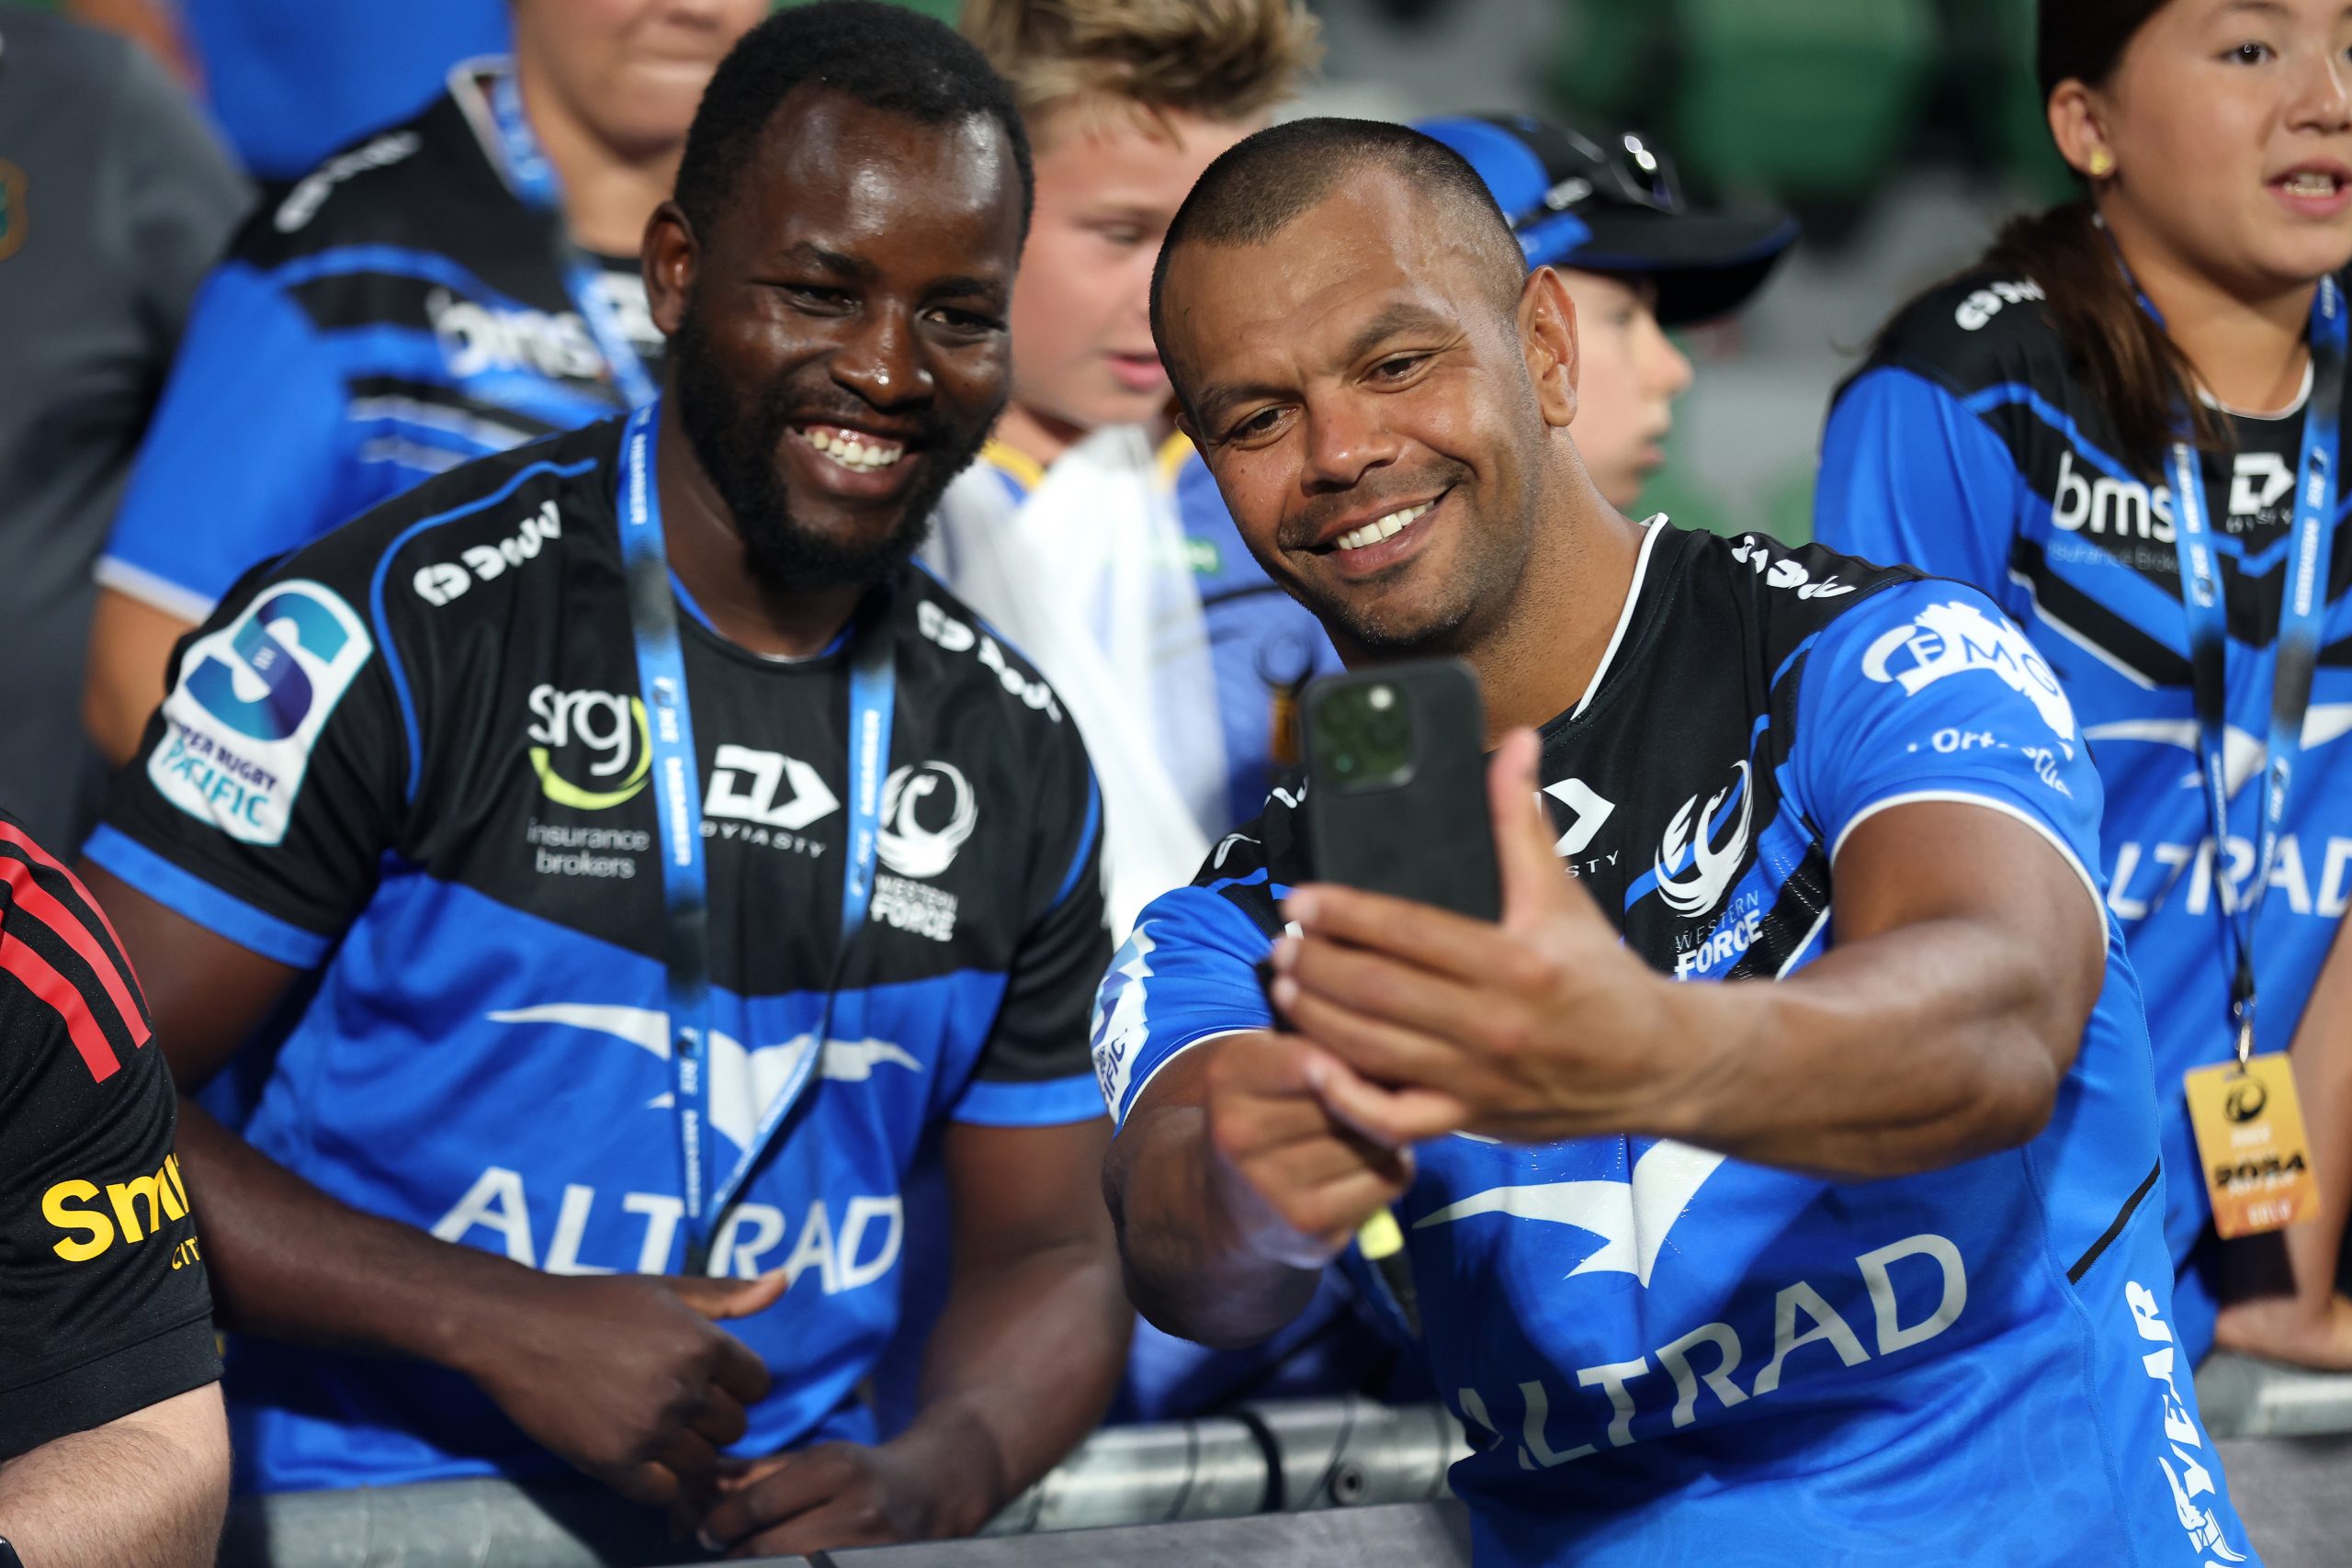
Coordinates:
[477,339]
[251,701]
[1956,636]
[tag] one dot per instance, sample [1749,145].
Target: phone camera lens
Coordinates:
[1381,698]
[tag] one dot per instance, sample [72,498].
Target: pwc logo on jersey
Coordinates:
[958,637]
[302,203]
[1755,551]
[1713,860]
[251,700]
[444,580]
[1956,636]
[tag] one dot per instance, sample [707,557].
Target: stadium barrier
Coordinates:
[1293,1459]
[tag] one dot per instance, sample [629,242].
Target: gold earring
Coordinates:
[2102,163]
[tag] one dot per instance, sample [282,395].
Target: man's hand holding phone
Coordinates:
[1539,1027]
[1290,1176]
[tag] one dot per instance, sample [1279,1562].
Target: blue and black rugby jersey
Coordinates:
[1969,446]
[393,314]
[1659,1351]
[413,757]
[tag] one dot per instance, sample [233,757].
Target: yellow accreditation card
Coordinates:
[2250,1141]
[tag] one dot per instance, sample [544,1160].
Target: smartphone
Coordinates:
[1396,785]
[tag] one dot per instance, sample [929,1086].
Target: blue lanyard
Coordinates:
[2303,606]
[677,796]
[534,180]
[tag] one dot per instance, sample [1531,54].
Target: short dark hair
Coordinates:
[883,56]
[1263,183]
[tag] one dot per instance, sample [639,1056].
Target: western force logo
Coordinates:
[249,705]
[1954,638]
[1711,865]
[904,842]
[1632,1218]
[928,811]
[591,749]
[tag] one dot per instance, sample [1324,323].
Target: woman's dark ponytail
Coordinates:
[2135,371]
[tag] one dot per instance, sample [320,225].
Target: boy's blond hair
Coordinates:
[1223,60]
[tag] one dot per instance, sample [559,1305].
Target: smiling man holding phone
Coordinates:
[1876,1220]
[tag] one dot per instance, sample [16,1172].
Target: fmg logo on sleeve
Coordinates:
[249,705]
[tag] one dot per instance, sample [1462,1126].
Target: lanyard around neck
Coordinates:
[2302,607]
[677,795]
[533,176]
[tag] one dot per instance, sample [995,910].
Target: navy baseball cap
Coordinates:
[1611,204]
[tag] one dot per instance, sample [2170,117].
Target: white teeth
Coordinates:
[1383,529]
[850,450]
[2312,183]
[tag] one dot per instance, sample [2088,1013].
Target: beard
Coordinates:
[737,440]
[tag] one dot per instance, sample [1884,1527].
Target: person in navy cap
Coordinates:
[1606,211]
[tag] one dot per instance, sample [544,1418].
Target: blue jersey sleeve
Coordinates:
[1910,477]
[249,455]
[1189,971]
[1926,692]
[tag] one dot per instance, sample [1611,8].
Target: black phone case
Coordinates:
[1429,838]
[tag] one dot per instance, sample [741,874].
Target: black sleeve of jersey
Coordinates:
[274,777]
[103,1308]
[1041,1030]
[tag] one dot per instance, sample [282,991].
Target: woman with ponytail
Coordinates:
[2125,426]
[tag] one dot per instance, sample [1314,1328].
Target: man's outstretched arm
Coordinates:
[147,1489]
[1969,952]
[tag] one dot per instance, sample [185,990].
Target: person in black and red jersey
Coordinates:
[113,1447]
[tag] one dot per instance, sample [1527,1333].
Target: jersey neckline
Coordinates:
[1637,620]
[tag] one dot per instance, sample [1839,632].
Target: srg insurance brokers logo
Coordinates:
[251,701]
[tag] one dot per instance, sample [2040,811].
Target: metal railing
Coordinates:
[1268,1458]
